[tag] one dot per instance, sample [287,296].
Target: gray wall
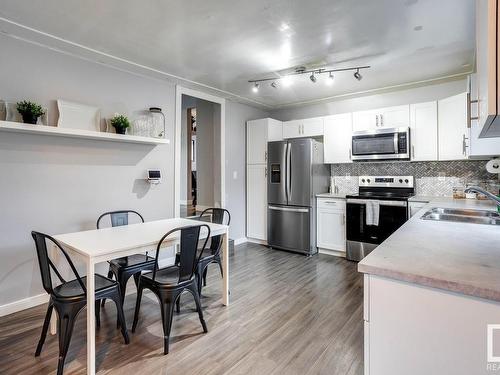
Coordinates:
[58,185]
[366,102]
[187,102]
[205,161]
[236,117]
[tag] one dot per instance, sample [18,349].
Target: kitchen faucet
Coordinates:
[490,196]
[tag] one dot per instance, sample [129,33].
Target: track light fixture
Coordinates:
[358,75]
[285,79]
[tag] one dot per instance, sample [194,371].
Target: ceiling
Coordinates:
[222,44]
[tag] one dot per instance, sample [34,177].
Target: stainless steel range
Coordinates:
[377,211]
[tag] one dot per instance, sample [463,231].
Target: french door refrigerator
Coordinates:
[296,173]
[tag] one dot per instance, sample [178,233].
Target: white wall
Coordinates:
[366,102]
[58,185]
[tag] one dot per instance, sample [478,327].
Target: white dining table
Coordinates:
[97,246]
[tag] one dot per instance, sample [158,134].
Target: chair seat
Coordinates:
[132,261]
[166,276]
[73,289]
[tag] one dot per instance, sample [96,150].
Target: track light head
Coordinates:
[329,81]
[274,85]
[358,75]
[255,87]
[312,77]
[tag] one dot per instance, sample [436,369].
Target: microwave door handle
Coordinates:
[396,148]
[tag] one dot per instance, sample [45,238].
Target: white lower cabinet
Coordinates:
[330,223]
[257,201]
[414,330]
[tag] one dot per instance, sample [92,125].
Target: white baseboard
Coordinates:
[336,253]
[23,304]
[254,240]
[239,241]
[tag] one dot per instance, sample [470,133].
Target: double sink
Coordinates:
[462,216]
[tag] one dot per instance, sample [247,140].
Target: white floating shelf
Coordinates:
[16,127]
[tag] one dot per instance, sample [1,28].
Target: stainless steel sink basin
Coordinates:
[462,216]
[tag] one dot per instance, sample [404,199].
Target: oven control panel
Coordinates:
[386,181]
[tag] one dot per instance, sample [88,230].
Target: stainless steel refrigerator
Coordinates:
[296,173]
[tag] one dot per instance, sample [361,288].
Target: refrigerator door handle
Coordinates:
[285,169]
[289,172]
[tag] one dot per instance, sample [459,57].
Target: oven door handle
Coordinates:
[381,203]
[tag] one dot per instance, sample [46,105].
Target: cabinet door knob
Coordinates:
[381,120]
[376,121]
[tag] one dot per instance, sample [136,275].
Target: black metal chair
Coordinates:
[168,283]
[70,297]
[132,265]
[211,254]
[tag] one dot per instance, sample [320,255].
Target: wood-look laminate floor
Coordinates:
[289,315]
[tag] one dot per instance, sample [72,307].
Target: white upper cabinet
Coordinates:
[259,132]
[337,138]
[395,117]
[311,127]
[424,131]
[452,125]
[480,148]
[364,120]
[488,67]
[389,117]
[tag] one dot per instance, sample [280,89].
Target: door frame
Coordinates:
[179,91]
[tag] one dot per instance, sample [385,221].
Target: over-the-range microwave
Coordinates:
[381,144]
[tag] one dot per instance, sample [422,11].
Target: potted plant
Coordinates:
[30,111]
[120,123]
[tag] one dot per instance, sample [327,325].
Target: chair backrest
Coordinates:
[46,264]
[189,253]
[217,216]
[118,218]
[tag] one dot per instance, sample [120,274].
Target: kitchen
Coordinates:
[351,221]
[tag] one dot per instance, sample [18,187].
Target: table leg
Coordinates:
[225,268]
[90,317]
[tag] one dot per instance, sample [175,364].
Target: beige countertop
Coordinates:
[328,195]
[459,257]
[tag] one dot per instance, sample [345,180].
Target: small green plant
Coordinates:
[120,123]
[30,111]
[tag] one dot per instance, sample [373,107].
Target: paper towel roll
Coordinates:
[493,166]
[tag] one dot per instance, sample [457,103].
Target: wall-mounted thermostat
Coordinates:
[154,176]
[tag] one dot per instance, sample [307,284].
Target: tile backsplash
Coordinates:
[436,178]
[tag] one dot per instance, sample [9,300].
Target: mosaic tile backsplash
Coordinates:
[435,178]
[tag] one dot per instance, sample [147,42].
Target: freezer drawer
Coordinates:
[289,228]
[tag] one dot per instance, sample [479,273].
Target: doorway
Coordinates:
[200,146]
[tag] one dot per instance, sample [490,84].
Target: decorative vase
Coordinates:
[29,118]
[120,130]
